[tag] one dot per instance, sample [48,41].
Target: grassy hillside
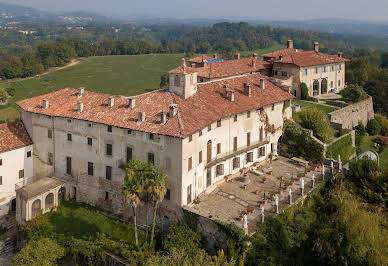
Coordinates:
[124,75]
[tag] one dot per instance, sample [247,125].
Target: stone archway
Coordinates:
[61,195]
[36,208]
[316,88]
[324,86]
[49,201]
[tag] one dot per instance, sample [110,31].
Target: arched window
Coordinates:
[36,208]
[61,195]
[324,86]
[49,201]
[316,88]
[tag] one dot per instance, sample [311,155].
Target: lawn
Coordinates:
[123,75]
[367,144]
[306,104]
[263,51]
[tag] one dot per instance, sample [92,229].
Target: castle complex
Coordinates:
[215,118]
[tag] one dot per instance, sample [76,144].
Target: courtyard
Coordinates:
[256,188]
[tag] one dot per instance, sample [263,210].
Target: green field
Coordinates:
[123,75]
[263,51]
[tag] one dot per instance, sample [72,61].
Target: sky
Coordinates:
[368,10]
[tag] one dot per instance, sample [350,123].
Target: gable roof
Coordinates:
[199,59]
[194,113]
[13,135]
[303,57]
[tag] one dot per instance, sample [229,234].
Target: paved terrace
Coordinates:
[234,198]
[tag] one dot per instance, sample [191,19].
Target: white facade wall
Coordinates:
[12,162]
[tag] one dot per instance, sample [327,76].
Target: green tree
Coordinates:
[317,121]
[132,188]
[360,129]
[164,80]
[156,189]
[373,127]
[3,95]
[353,94]
[383,121]
[183,237]
[304,91]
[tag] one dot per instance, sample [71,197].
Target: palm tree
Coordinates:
[156,189]
[132,188]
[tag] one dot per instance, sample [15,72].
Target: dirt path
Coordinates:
[73,62]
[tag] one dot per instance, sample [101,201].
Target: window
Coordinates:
[331,84]
[50,133]
[273,107]
[90,169]
[235,144]
[190,138]
[28,154]
[235,118]
[21,173]
[68,165]
[332,68]
[218,123]
[339,83]
[236,163]
[248,114]
[219,169]
[316,70]
[209,127]
[151,158]
[200,157]
[69,137]
[1,180]
[109,128]
[324,69]
[189,194]
[129,132]
[151,136]
[275,72]
[284,74]
[89,125]
[108,172]
[340,67]
[109,150]
[248,138]
[167,196]
[200,133]
[249,157]
[218,148]
[50,158]
[261,152]
[190,166]
[68,120]
[1,162]
[129,154]
[306,72]
[177,81]
[106,195]
[90,141]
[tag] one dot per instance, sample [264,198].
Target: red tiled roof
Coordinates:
[13,135]
[304,58]
[194,113]
[199,59]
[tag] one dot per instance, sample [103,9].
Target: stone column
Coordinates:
[290,195]
[277,203]
[339,163]
[332,167]
[313,181]
[323,171]
[262,214]
[302,187]
[245,224]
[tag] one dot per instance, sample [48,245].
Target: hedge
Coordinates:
[343,147]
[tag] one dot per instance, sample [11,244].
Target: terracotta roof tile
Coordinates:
[13,135]
[194,113]
[199,59]
[304,58]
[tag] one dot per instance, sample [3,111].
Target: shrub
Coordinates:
[360,129]
[317,121]
[353,94]
[383,121]
[373,127]
[183,237]
[3,95]
[39,252]
[304,91]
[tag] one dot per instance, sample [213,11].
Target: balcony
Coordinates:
[228,155]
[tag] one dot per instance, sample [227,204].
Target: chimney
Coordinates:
[253,63]
[172,111]
[237,56]
[193,65]
[81,92]
[340,54]
[183,62]
[231,95]
[290,44]
[262,84]
[45,104]
[204,63]
[141,117]
[163,118]
[111,101]
[215,56]
[316,47]
[131,102]
[80,107]
[254,55]
[247,89]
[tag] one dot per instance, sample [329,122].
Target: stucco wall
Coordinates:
[350,116]
[13,161]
